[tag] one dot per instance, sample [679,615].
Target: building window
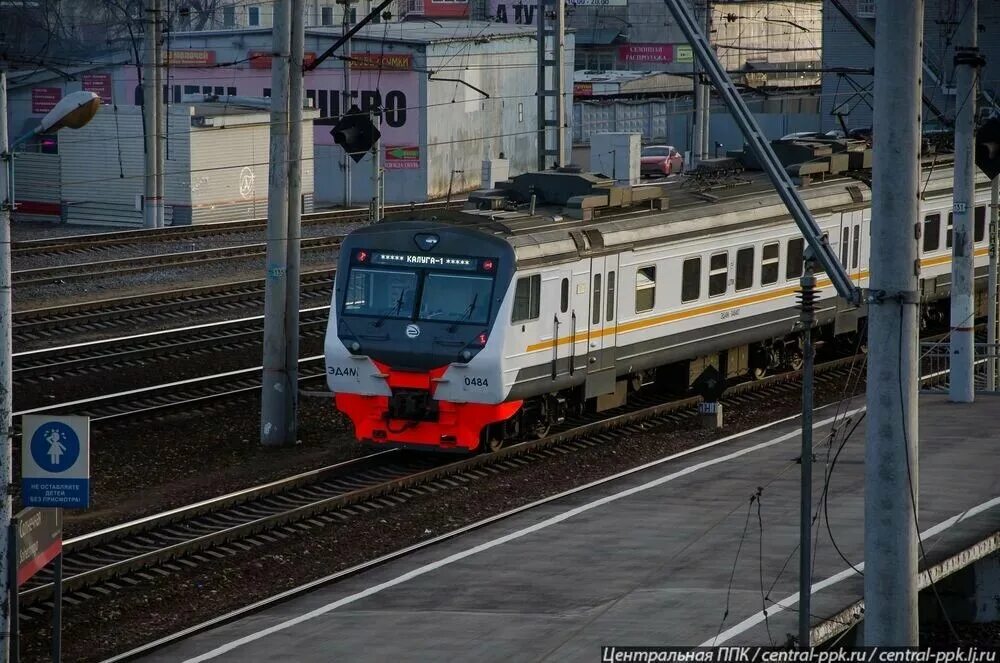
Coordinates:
[769,264]
[229,16]
[253,16]
[691,280]
[611,297]
[718,274]
[645,288]
[564,296]
[980,230]
[326,16]
[744,268]
[527,297]
[793,260]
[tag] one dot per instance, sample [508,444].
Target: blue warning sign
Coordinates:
[55,466]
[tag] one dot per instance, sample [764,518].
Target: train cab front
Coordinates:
[408,347]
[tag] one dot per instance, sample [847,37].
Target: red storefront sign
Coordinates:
[100,84]
[262,59]
[190,58]
[44,99]
[583,89]
[402,158]
[658,53]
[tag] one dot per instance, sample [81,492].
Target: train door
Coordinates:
[602,323]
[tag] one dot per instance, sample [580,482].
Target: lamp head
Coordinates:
[73,111]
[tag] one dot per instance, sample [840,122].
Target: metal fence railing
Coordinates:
[935,365]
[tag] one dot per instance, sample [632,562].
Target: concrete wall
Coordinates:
[669,120]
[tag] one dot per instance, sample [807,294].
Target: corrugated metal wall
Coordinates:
[669,120]
[37,187]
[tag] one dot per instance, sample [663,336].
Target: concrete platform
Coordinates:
[654,558]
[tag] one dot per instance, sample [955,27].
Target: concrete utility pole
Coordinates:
[6,372]
[375,208]
[275,382]
[706,91]
[993,297]
[893,370]
[150,115]
[161,119]
[961,387]
[295,102]
[551,66]
[698,93]
[346,102]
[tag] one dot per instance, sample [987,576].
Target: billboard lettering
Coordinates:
[658,53]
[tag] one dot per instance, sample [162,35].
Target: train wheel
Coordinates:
[540,429]
[758,372]
[796,360]
[492,439]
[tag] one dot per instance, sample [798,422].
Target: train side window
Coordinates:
[691,280]
[527,298]
[769,263]
[645,288]
[718,274]
[595,316]
[855,247]
[744,268]
[980,228]
[611,297]
[793,261]
[564,296]
[951,230]
[845,243]
[932,232]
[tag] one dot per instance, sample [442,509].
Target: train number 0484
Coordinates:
[476,382]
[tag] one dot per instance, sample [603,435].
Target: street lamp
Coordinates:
[73,111]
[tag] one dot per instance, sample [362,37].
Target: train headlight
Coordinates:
[354,347]
[466,355]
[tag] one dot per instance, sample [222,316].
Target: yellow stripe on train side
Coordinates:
[716,307]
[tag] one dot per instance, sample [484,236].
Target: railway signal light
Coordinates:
[356,133]
[988,148]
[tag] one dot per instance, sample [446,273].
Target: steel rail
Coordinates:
[54,320]
[111,239]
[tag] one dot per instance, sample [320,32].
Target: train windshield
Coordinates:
[456,298]
[381,292]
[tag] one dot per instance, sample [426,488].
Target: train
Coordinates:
[561,291]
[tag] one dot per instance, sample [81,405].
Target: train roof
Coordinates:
[576,214]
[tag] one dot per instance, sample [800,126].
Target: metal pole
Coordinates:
[993,306]
[807,299]
[346,104]
[295,102]
[961,387]
[274,406]
[6,376]
[706,91]
[57,594]
[891,472]
[558,69]
[11,578]
[375,209]
[540,66]
[161,148]
[149,114]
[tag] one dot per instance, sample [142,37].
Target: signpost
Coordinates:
[55,474]
[55,464]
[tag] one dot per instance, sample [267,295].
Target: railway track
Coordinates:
[136,265]
[172,305]
[90,243]
[98,563]
[156,400]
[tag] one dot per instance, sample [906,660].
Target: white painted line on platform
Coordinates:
[793,599]
[554,520]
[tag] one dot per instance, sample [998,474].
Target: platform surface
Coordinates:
[654,558]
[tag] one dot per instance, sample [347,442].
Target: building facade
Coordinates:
[847,90]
